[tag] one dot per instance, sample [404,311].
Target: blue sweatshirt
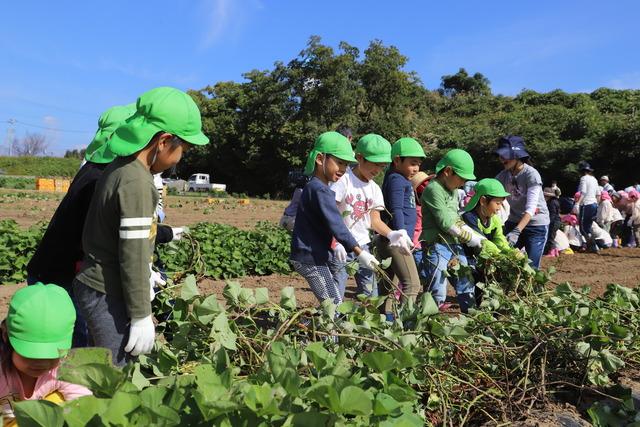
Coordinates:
[317,221]
[400,201]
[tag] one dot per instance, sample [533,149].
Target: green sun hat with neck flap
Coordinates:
[460,161]
[486,187]
[333,143]
[374,148]
[40,321]
[163,109]
[407,147]
[98,150]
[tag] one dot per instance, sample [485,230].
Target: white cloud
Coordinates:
[218,16]
[224,19]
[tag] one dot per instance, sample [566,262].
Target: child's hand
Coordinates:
[513,236]
[368,261]
[400,239]
[340,253]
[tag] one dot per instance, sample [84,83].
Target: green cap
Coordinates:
[486,187]
[374,148]
[460,161]
[40,321]
[332,143]
[407,147]
[98,150]
[163,109]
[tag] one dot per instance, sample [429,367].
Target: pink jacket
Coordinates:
[11,390]
[418,230]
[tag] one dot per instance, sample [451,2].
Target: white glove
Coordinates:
[142,335]
[399,238]
[340,253]
[630,223]
[178,232]
[155,280]
[467,235]
[368,261]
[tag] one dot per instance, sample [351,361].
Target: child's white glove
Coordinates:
[368,261]
[400,239]
[178,233]
[155,280]
[142,335]
[340,253]
[466,235]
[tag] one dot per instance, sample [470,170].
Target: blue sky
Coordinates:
[64,62]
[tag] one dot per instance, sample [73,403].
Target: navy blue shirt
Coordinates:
[317,221]
[400,201]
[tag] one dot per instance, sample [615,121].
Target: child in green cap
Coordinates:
[113,286]
[400,214]
[59,253]
[34,337]
[318,219]
[444,233]
[360,201]
[481,215]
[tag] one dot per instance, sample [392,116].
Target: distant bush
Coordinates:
[17,183]
[39,166]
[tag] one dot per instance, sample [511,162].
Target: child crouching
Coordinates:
[36,334]
[318,219]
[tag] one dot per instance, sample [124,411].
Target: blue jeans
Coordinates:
[587,216]
[533,238]
[417,255]
[80,329]
[435,262]
[365,278]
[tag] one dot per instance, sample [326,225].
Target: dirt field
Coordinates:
[27,207]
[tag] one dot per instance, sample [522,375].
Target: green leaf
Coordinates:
[288,298]
[222,333]
[318,355]
[385,263]
[207,310]
[356,401]
[379,361]
[428,305]
[189,288]
[232,292]
[103,380]
[385,404]
[78,412]
[262,296]
[38,413]
[310,419]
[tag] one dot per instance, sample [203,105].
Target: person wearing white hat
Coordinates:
[606,186]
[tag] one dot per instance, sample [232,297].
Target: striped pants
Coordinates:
[320,281]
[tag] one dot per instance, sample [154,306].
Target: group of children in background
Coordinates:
[597,217]
[414,219]
[425,223]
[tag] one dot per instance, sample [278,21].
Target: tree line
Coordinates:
[263,127]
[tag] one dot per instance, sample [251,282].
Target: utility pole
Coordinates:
[10,135]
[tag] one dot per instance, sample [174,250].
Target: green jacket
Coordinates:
[439,213]
[492,231]
[119,235]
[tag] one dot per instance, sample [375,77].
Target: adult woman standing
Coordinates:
[528,222]
[587,205]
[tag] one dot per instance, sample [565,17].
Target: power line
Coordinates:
[13,121]
[50,106]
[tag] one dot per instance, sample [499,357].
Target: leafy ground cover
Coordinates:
[252,362]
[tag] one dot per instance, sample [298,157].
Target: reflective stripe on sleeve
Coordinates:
[135,234]
[135,222]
